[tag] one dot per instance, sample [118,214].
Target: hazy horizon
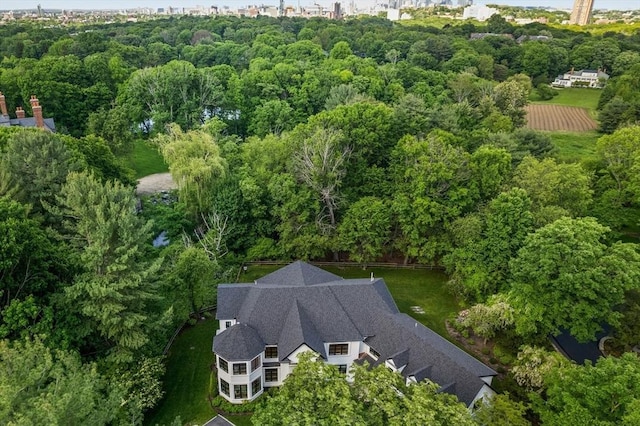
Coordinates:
[130,4]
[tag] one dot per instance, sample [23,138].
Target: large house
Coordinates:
[21,120]
[583,78]
[265,325]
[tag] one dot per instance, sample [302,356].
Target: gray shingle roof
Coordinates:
[218,421]
[321,307]
[49,124]
[298,274]
[238,343]
[297,330]
[447,362]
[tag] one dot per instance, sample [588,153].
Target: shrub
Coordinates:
[545,92]
[503,355]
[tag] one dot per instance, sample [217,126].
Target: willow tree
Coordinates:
[194,162]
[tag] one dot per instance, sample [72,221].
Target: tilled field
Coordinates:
[559,118]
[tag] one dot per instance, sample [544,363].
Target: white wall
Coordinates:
[223,324]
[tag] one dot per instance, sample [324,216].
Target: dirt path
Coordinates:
[155,183]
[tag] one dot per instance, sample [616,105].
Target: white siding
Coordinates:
[484,393]
[223,324]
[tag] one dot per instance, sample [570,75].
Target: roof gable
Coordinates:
[297,330]
[298,274]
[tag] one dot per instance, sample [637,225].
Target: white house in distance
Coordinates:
[265,325]
[594,79]
[478,12]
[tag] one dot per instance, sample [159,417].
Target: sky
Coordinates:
[118,4]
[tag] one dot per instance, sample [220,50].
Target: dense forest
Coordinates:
[358,140]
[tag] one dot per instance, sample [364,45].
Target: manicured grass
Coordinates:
[145,159]
[409,287]
[575,147]
[239,420]
[583,98]
[186,382]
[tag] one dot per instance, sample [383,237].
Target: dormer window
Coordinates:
[227,324]
[271,352]
[339,349]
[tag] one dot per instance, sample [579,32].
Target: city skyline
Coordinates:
[130,4]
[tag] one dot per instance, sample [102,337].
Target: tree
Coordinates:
[627,334]
[487,319]
[173,93]
[44,386]
[320,164]
[603,394]
[273,116]
[315,393]
[533,365]
[32,268]
[116,288]
[364,231]
[620,153]
[193,274]
[501,410]
[485,243]
[430,178]
[566,277]
[548,183]
[195,163]
[489,167]
[613,114]
[35,167]
[510,98]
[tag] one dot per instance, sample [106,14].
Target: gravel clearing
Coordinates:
[155,183]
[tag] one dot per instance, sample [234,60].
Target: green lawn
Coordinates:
[145,159]
[583,98]
[575,147]
[186,382]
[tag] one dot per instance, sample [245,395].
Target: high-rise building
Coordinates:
[581,13]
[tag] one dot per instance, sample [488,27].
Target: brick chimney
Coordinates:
[3,105]
[37,112]
[19,112]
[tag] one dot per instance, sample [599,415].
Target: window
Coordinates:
[339,349]
[270,374]
[271,352]
[223,365]
[256,386]
[240,368]
[342,368]
[374,352]
[227,324]
[224,387]
[255,363]
[239,391]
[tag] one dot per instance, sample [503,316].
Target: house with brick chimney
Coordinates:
[21,120]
